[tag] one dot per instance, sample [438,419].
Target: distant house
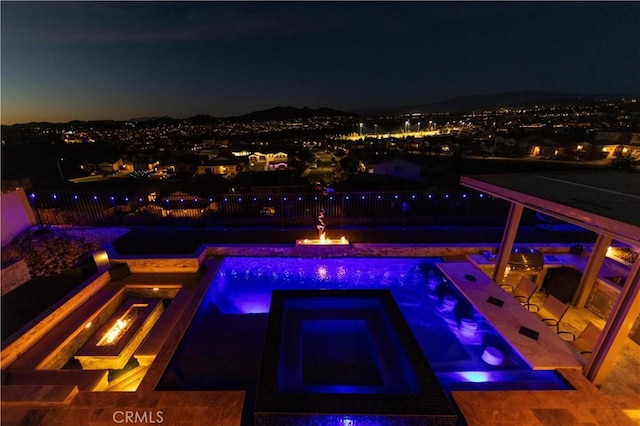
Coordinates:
[221,166]
[616,144]
[271,161]
[111,166]
[181,204]
[499,145]
[536,146]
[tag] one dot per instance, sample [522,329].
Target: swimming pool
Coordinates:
[460,345]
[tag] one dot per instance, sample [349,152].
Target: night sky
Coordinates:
[119,60]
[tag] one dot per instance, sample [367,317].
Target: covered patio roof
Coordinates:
[606,202]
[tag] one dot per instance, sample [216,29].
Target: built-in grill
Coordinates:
[521,259]
[526,259]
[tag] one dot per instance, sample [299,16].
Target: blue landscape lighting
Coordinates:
[75,197]
[33,195]
[195,200]
[363,197]
[464,195]
[95,197]
[126,198]
[474,376]
[346,198]
[112,198]
[55,196]
[395,196]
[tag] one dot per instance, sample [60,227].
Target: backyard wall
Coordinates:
[16,215]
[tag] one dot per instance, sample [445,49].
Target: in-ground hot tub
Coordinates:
[336,356]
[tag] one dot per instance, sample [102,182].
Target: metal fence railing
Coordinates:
[460,206]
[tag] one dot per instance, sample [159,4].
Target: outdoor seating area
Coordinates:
[523,292]
[585,342]
[552,311]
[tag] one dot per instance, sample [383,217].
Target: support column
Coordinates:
[616,330]
[591,270]
[508,237]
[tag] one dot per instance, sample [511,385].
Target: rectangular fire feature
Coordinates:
[112,346]
[342,241]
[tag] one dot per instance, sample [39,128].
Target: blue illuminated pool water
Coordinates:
[452,334]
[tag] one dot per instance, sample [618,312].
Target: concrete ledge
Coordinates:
[156,265]
[582,406]
[85,380]
[157,337]
[38,396]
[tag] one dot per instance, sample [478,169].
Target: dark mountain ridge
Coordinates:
[469,103]
[460,104]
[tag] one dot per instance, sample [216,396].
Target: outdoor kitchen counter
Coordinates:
[548,352]
[558,260]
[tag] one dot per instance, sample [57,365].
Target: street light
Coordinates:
[361,124]
[406,126]
[375,129]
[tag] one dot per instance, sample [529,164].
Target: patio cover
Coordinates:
[606,202]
